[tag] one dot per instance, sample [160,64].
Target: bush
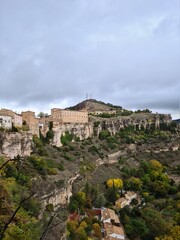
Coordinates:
[68,157]
[39,147]
[52,171]
[49,135]
[66,138]
[104,134]
[50,207]
[45,166]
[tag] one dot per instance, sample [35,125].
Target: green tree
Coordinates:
[134,183]
[81,198]
[72,227]
[137,228]
[156,223]
[81,234]
[97,230]
[42,115]
[104,134]
[156,165]
[160,188]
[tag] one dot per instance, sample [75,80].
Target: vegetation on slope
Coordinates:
[24,181]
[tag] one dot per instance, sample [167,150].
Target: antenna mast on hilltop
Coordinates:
[88,96]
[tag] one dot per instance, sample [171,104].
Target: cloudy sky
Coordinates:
[126,52]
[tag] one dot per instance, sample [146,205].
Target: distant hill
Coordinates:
[92,105]
[177,121]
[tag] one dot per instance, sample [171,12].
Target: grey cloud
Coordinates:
[55,51]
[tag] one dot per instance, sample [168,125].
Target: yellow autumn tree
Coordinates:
[164,238]
[97,230]
[115,182]
[174,234]
[83,224]
[156,165]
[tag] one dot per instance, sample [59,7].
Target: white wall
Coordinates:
[6,122]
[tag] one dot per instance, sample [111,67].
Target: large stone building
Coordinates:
[67,116]
[16,118]
[5,122]
[31,121]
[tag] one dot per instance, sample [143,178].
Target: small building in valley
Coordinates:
[126,200]
[112,228]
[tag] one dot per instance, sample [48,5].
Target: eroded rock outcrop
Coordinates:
[59,197]
[137,121]
[14,144]
[113,125]
[80,130]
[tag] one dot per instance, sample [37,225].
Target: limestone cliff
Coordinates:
[138,121]
[80,130]
[14,144]
[59,197]
[113,125]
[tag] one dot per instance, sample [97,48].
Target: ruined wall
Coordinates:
[14,144]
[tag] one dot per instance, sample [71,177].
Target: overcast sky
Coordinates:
[125,52]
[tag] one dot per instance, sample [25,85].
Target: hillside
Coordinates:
[177,121]
[40,185]
[92,105]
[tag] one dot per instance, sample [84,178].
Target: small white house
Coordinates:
[5,122]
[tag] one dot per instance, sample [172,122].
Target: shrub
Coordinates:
[104,134]
[49,207]
[66,138]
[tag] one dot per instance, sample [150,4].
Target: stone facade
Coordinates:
[67,116]
[5,122]
[16,118]
[31,121]
[126,200]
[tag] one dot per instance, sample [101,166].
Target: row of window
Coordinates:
[4,121]
[64,115]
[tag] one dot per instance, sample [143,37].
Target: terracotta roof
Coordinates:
[110,229]
[110,238]
[109,214]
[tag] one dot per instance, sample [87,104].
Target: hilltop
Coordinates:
[92,105]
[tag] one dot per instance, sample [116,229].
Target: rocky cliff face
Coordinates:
[80,130]
[138,121]
[113,125]
[59,197]
[14,144]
